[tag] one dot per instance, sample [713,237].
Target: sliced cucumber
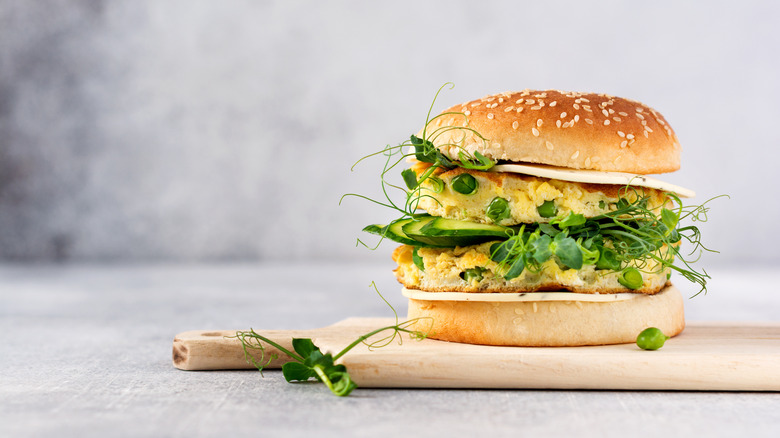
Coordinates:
[451,227]
[393,231]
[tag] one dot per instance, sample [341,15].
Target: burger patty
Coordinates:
[445,271]
[524,195]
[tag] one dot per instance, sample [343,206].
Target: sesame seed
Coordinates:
[630,136]
[535,308]
[520,109]
[584,100]
[535,132]
[589,121]
[644,123]
[539,123]
[611,111]
[578,304]
[638,109]
[493,105]
[517,321]
[490,99]
[476,104]
[549,145]
[577,118]
[515,124]
[606,122]
[553,103]
[467,112]
[606,114]
[563,114]
[621,133]
[567,124]
[558,123]
[587,162]
[463,109]
[537,107]
[519,101]
[576,106]
[647,128]
[623,113]
[617,119]
[500,100]
[552,308]
[529,101]
[490,116]
[645,133]
[623,143]
[575,155]
[519,311]
[509,108]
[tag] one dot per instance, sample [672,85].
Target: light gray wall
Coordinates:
[190,130]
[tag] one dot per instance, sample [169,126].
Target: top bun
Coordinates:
[559,128]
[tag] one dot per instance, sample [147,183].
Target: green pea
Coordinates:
[465,184]
[418,261]
[474,274]
[602,205]
[651,339]
[631,278]
[547,209]
[498,210]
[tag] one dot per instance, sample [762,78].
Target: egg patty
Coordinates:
[524,195]
[444,270]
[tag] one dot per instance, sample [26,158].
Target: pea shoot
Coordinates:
[308,361]
[547,209]
[651,338]
[498,210]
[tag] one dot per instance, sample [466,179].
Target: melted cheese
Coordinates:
[516,297]
[593,177]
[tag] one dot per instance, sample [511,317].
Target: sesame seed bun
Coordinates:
[552,323]
[558,128]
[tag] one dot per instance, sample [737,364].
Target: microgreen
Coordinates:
[308,361]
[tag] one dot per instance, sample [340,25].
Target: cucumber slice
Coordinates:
[393,231]
[421,231]
[450,227]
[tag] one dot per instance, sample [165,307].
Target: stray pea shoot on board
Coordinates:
[308,361]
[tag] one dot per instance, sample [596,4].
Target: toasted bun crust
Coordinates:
[566,129]
[553,323]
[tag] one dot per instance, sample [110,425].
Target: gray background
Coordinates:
[194,130]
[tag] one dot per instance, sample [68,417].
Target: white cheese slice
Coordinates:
[516,297]
[593,177]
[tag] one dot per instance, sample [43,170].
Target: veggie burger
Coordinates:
[530,220]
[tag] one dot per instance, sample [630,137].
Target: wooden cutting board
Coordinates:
[714,356]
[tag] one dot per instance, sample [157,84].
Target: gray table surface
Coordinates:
[85,351]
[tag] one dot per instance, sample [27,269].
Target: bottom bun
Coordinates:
[551,323]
